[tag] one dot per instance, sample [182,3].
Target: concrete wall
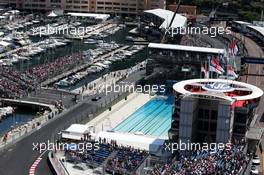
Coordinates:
[187,116]
[225,121]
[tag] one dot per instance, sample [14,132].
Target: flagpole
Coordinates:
[201,71]
[208,71]
[209,67]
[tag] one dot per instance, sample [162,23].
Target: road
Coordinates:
[255,51]
[18,159]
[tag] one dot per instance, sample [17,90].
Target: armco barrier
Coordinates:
[55,165]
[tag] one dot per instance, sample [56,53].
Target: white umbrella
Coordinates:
[52,14]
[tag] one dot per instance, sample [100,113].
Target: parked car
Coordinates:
[254,170]
[256,160]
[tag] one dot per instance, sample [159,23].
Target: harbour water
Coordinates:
[19,117]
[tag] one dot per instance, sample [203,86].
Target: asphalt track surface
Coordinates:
[18,158]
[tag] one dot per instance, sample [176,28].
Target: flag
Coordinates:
[223,59]
[205,71]
[215,63]
[233,48]
[213,69]
[236,49]
[231,71]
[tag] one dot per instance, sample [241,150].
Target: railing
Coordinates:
[56,165]
[22,131]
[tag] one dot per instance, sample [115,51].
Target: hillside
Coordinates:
[245,9]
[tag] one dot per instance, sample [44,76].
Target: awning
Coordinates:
[75,132]
[167,15]
[142,142]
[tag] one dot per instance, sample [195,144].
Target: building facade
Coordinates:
[96,6]
[213,110]
[168,56]
[187,10]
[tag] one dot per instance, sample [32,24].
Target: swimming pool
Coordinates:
[153,118]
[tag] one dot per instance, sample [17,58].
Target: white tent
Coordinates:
[52,14]
[142,142]
[75,132]
[167,15]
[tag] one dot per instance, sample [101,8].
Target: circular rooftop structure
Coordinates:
[219,88]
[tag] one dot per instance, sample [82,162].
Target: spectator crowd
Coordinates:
[45,71]
[222,162]
[116,159]
[14,84]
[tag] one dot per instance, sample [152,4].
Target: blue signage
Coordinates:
[252,60]
[217,86]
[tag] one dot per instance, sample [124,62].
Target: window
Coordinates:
[214,115]
[213,127]
[206,114]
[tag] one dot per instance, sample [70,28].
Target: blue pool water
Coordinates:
[153,118]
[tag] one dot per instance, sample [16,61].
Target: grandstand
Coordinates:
[109,158]
[112,158]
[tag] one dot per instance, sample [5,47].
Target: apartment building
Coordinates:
[96,6]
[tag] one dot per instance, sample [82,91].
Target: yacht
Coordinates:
[90,41]
[102,65]
[100,41]
[6,62]
[97,68]
[6,111]
[69,81]
[128,53]
[35,21]
[107,62]
[112,59]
